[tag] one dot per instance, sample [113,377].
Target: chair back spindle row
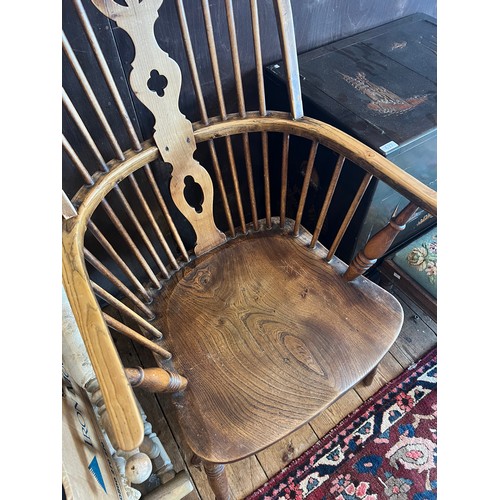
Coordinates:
[148,208]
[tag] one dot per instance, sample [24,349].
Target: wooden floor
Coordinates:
[417,337]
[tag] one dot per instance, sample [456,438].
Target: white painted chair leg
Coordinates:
[154,449]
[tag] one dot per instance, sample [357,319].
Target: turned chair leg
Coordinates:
[369,378]
[217,479]
[196,461]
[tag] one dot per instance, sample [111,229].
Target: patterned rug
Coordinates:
[386,449]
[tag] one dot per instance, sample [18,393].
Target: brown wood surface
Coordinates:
[259,354]
[89,197]
[149,402]
[217,479]
[331,137]
[388,369]
[327,135]
[418,336]
[280,454]
[329,418]
[393,275]
[173,133]
[155,379]
[75,277]
[379,243]
[123,413]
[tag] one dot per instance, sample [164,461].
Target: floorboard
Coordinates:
[278,456]
[417,337]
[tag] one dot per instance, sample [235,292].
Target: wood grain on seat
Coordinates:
[268,335]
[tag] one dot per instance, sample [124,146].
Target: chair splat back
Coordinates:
[156,80]
[189,243]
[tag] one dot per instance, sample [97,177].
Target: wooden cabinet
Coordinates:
[380,87]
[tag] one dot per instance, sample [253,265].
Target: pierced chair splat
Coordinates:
[258,325]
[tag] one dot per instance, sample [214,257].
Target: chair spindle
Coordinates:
[101,268]
[136,337]
[75,159]
[305,186]
[209,31]
[83,130]
[136,144]
[188,47]
[126,311]
[92,97]
[284,18]
[328,199]
[284,178]
[350,214]
[99,236]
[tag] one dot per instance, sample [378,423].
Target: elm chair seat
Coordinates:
[268,335]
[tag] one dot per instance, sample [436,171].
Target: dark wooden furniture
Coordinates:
[392,275]
[380,86]
[259,328]
[413,270]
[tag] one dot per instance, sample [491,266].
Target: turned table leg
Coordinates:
[369,378]
[217,479]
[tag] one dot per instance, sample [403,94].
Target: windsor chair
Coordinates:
[255,324]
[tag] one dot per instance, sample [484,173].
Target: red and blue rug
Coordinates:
[386,449]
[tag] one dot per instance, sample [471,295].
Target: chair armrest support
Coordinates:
[379,243]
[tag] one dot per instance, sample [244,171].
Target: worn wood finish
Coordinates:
[126,311]
[155,379]
[250,362]
[417,337]
[176,143]
[379,243]
[329,418]
[393,276]
[286,30]
[280,454]
[217,479]
[124,415]
[332,138]
[90,197]
[265,328]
